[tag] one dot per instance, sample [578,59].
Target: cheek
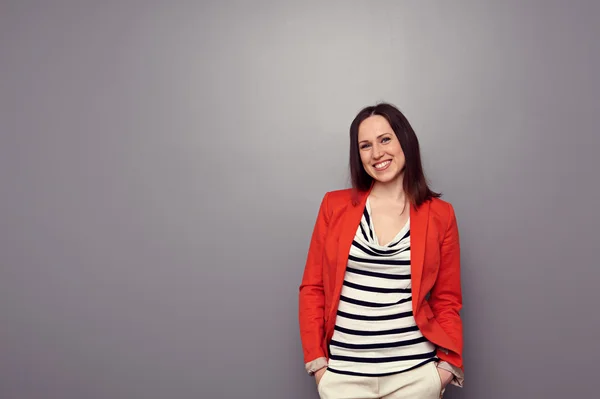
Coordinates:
[364,158]
[401,159]
[399,153]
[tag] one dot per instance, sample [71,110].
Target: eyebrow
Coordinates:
[381,135]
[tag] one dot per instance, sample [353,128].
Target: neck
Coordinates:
[390,191]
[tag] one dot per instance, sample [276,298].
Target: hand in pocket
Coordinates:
[319,374]
[445,376]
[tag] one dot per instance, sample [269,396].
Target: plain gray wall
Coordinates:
[161,166]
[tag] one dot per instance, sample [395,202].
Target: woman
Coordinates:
[380,296]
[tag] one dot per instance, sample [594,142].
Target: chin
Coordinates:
[389,180]
[385,178]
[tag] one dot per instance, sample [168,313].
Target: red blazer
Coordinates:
[435,273]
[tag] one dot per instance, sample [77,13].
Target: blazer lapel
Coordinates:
[350,222]
[418,233]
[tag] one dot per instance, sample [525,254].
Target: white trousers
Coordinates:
[421,383]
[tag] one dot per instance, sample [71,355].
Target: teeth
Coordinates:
[382,165]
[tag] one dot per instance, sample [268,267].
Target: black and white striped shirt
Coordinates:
[375,330]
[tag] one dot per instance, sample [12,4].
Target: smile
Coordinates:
[382,165]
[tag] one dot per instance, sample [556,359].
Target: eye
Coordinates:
[386,139]
[364,146]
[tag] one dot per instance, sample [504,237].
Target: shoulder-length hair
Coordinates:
[414,183]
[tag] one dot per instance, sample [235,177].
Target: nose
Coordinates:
[377,152]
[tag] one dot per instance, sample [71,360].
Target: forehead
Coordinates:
[372,127]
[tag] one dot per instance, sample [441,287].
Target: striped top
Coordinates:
[375,330]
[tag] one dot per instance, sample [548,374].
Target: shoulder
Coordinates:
[336,197]
[441,210]
[343,199]
[336,201]
[440,206]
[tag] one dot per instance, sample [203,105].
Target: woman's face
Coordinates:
[380,151]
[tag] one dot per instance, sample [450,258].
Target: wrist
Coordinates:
[317,364]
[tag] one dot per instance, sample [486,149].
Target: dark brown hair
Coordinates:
[414,184]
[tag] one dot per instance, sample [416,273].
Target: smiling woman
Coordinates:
[381,295]
[380,149]
[387,125]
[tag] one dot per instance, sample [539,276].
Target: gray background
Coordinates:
[161,166]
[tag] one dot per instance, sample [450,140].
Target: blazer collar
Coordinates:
[349,224]
[419,218]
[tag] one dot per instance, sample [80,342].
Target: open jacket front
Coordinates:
[435,273]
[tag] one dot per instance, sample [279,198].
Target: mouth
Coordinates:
[382,165]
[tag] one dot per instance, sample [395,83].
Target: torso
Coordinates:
[375,330]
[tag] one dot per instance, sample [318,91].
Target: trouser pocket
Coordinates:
[321,381]
[437,379]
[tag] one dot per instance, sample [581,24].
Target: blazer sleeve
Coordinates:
[311,296]
[446,294]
